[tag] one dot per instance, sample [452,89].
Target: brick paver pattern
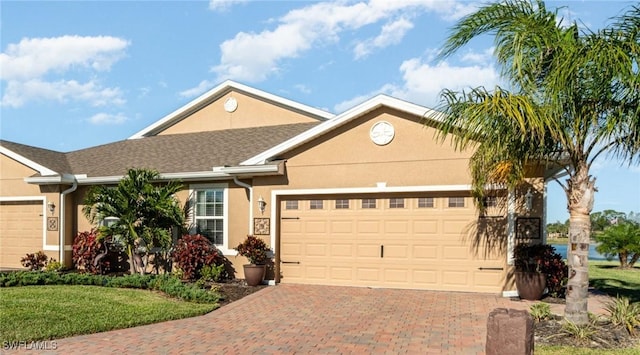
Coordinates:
[303,319]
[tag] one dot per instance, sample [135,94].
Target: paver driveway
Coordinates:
[315,319]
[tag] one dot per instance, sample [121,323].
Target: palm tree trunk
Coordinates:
[581,188]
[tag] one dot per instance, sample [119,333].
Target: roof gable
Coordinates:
[349,115]
[46,162]
[218,93]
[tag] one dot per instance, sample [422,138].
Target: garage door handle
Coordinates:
[290,262]
[290,217]
[490,268]
[382,251]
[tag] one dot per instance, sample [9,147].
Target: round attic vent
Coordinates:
[230,105]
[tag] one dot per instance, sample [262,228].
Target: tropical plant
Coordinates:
[623,312]
[254,249]
[86,248]
[540,311]
[145,212]
[193,252]
[573,97]
[621,240]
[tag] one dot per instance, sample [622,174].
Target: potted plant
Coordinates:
[530,280]
[254,249]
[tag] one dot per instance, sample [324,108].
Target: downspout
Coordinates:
[250,189]
[511,224]
[62,217]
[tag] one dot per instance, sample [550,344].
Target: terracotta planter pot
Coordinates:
[254,274]
[530,285]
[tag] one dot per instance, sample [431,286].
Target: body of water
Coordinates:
[593,254]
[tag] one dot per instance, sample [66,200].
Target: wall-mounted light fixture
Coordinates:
[262,204]
[51,207]
[528,201]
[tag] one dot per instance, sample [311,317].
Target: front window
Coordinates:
[209,214]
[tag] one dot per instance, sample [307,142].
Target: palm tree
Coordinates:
[145,211]
[572,98]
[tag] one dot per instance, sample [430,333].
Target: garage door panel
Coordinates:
[425,252]
[425,227]
[368,250]
[316,250]
[455,278]
[367,274]
[426,248]
[396,251]
[455,253]
[342,227]
[341,250]
[367,226]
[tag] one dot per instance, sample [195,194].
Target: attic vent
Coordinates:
[230,105]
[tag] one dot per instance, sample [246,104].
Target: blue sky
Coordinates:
[76,74]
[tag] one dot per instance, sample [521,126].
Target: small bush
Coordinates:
[215,273]
[86,248]
[540,311]
[53,265]
[581,333]
[35,261]
[191,253]
[623,312]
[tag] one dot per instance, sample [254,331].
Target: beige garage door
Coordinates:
[388,241]
[21,231]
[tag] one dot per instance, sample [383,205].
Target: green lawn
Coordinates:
[48,312]
[607,277]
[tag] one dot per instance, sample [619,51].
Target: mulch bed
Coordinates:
[233,290]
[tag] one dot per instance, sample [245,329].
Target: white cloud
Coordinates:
[107,119]
[301,29]
[391,33]
[223,5]
[34,57]
[302,88]
[422,82]
[26,64]
[483,57]
[195,91]
[17,93]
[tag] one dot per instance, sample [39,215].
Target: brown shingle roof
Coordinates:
[53,160]
[175,153]
[188,152]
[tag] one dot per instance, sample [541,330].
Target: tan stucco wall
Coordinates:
[251,112]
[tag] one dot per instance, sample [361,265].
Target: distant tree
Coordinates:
[603,219]
[621,240]
[558,228]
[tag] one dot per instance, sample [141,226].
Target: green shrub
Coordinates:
[53,265]
[540,311]
[170,285]
[215,273]
[623,312]
[35,261]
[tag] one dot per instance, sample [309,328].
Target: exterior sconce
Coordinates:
[528,201]
[262,204]
[51,207]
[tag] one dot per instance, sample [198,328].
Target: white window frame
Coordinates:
[224,247]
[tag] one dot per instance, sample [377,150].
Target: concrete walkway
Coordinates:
[287,319]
